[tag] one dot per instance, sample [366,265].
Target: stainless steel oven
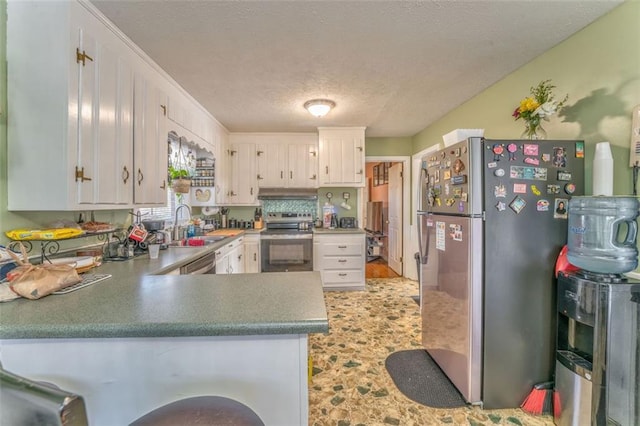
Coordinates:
[287,243]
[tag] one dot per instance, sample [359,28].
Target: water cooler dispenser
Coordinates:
[598,350]
[597,379]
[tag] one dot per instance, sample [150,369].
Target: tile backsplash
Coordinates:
[294,206]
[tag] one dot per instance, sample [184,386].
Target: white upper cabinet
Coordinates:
[87,125]
[285,160]
[150,140]
[341,156]
[70,109]
[105,114]
[243,187]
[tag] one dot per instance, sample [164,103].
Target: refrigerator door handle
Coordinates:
[423,243]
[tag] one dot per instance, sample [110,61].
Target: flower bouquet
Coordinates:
[537,107]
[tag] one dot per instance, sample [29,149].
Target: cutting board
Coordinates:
[228,232]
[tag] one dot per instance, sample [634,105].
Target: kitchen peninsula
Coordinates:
[138,341]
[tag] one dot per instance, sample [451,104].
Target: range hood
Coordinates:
[287,194]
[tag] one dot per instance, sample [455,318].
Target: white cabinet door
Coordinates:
[252,253]
[105,111]
[150,140]
[303,166]
[223,164]
[236,260]
[243,186]
[272,165]
[341,156]
[222,264]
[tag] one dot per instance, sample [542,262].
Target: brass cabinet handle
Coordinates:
[342,274]
[342,260]
[260,177]
[140,177]
[164,110]
[281,174]
[342,247]
[255,257]
[125,174]
[251,191]
[314,177]
[326,170]
[360,172]
[164,184]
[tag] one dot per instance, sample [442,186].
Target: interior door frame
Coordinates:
[406,200]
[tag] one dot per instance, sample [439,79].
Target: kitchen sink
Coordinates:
[196,241]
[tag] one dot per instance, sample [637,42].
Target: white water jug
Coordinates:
[602,234]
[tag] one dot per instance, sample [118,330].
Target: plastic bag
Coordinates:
[36,281]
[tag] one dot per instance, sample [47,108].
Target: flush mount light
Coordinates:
[319,107]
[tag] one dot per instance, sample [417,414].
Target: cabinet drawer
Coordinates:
[332,277]
[337,249]
[342,262]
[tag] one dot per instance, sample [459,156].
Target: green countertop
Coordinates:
[136,303]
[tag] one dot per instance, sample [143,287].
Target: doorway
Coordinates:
[384,212]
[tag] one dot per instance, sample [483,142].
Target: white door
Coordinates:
[395,218]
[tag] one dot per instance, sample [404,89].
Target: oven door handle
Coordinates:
[286,236]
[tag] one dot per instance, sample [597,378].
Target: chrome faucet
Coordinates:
[176,228]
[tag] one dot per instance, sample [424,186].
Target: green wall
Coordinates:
[599,67]
[380,147]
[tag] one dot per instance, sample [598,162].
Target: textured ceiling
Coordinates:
[392,66]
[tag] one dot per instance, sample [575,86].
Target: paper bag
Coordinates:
[36,281]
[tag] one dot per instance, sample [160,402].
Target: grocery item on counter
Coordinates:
[93,226]
[43,234]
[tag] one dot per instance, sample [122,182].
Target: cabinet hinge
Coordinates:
[80,57]
[80,175]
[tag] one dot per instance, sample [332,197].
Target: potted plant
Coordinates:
[180,180]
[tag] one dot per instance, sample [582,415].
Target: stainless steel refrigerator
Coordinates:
[492,220]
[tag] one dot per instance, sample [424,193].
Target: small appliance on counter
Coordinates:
[348,222]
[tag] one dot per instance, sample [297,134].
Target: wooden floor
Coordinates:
[378,269]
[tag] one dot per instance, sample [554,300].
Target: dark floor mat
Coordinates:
[420,379]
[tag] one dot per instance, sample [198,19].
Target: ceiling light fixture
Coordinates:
[319,107]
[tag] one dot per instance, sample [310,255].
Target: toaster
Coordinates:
[348,222]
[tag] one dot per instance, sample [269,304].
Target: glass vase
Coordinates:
[533,131]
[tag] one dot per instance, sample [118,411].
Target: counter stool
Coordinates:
[29,402]
[201,410]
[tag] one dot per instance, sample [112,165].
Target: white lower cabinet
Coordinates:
[340,259]
[230,257]
[251,253]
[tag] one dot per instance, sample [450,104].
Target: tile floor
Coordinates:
[350,384]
